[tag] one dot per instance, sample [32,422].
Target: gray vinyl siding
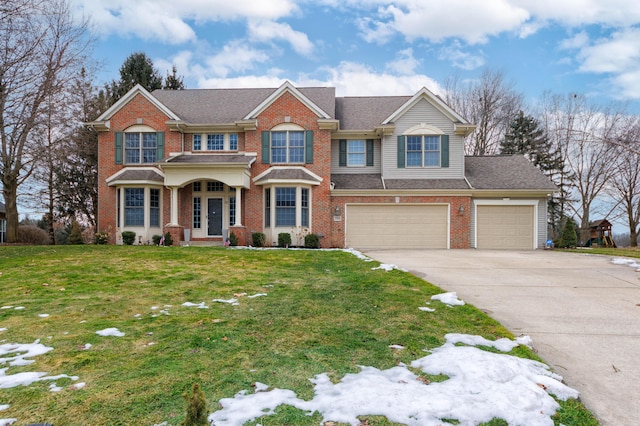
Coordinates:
[335,160]
[423,112]
[542,222]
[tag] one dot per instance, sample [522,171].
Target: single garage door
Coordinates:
[505,227]
[397,226]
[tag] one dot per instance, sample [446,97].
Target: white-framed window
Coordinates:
[356,153]
[287,206]
[287,147]
[141,207]
[140,147]
[423,151]
[197,212]
[3,230]
[134,207]
[215,142]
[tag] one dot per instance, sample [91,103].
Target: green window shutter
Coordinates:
[159,146]
[369,152]
[308,147]
[342,158]
[401,153]
[444,151]
[266,151]
[119,147]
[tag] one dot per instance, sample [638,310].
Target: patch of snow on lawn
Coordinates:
[4,407]
[504,344]
[358,254]
[200,305]
[43,315]
[481,386]
[112,331]
[7,422]
[388,267]
[3,328]
[426,309]
[231,301]
[450,298]
[253,296]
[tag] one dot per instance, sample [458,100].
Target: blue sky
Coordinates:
[376,47]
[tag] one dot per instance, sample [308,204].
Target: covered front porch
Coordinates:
[206,196]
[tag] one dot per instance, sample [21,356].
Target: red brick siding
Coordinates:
[138,111]
[460,225]
[288,105]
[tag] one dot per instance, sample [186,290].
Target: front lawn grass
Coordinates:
[325,311]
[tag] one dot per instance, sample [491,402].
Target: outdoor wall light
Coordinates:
[461,210]
[336,211]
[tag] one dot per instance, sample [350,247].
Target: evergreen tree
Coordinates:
[75,236]
[138,68]
[527,138]
[569,236]
[173,81]
[196,409]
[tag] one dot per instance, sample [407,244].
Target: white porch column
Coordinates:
[174,206]
[238,206]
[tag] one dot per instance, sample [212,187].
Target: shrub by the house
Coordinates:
[284,239]
[128,237]
[258,239]
[312,241]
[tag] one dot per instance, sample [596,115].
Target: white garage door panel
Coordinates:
[397,226]
[505,227]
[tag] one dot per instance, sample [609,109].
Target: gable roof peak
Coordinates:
[433,99]
[138,89]
[287,86]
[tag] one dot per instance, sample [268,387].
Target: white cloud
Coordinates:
[235,57]
[265,31]
[584,12]
[438,20]
[404,63]
[168,20]
[461,59]
[578,41]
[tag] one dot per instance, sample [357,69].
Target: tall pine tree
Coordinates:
[527,138]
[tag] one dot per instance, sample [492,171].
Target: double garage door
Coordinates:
[399,226]
[404,226]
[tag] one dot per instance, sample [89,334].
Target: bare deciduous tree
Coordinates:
[40,47]
[625,184]
[489,102]
[583,133]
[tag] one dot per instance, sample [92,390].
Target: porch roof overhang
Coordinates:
[136,176]
[232,169]
[287,175]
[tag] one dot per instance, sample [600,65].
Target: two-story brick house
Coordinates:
[366,172]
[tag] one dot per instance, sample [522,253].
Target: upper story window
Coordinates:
[215,142]
[139,144]
[356,153]
[287,147]
[423,151]
[140,147]
[423,146]
[287,144]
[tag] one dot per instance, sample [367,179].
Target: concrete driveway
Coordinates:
[581,310]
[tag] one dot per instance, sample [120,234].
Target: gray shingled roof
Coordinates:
[426,184]
[505,172]
[357,181]
[218,106]
[141,175]
[288,174]
[364,113]
[211,159]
